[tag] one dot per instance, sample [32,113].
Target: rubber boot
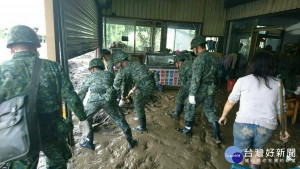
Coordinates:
[142,126]
[88,143]
[216,131]
[187,129]
[177,112]
[131,141]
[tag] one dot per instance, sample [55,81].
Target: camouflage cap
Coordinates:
[104,52]
[22,34]
[120,56]
[197,41]
[96,62]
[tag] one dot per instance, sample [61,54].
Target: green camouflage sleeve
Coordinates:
[69,95]
[110,79]
[84,89]
[118,80]
[181,75]
[197,73]
[110,67]
[107,80]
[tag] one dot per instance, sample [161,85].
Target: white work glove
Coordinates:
[84,125]
[192,99]
[121,103]
[132,90]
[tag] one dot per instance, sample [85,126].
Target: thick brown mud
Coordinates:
[163,146]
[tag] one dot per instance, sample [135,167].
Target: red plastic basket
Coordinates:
[230,84]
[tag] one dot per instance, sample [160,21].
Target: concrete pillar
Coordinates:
[50,31]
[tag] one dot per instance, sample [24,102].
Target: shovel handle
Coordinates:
[127,97]
[281,108]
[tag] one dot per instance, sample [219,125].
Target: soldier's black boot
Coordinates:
[187,129]
[177,112]
[216,131]
[142,126]
[131,141]
[88,143]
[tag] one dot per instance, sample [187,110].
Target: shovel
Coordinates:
[127,97]
[282,118]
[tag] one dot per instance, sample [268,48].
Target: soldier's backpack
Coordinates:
[19,124]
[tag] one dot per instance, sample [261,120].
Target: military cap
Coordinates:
[96,62]
[119,56]
[104,52]
[22,34]
[197,41]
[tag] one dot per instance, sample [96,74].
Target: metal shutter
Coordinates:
[80,26]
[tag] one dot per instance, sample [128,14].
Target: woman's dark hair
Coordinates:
[262,66]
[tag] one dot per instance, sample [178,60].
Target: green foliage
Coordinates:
[157,39]
[143,37]
[2,33]
[114,33]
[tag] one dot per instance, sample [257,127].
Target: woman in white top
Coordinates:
[256,119]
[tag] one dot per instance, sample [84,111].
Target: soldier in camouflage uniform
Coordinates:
[123,83]
[15,80]
[185,75]
[107,60]
[205,70]
[144,84]
[102,96]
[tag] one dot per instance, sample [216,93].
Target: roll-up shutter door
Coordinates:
[81,26]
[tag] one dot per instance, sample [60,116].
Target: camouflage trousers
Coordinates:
[140,98]
[112,109]
[208,104]
[126,86]
[54,146]
[183,93]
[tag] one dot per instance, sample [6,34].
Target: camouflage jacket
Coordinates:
[185,72]
[204,71]
[98,83]
[109,65]
[139,73]
[15,79]
[118,79]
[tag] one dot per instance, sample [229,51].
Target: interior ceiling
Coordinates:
[230,3]
[280,19]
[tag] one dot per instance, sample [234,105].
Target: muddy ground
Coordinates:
[162,146]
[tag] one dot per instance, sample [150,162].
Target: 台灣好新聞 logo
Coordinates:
[233,154]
